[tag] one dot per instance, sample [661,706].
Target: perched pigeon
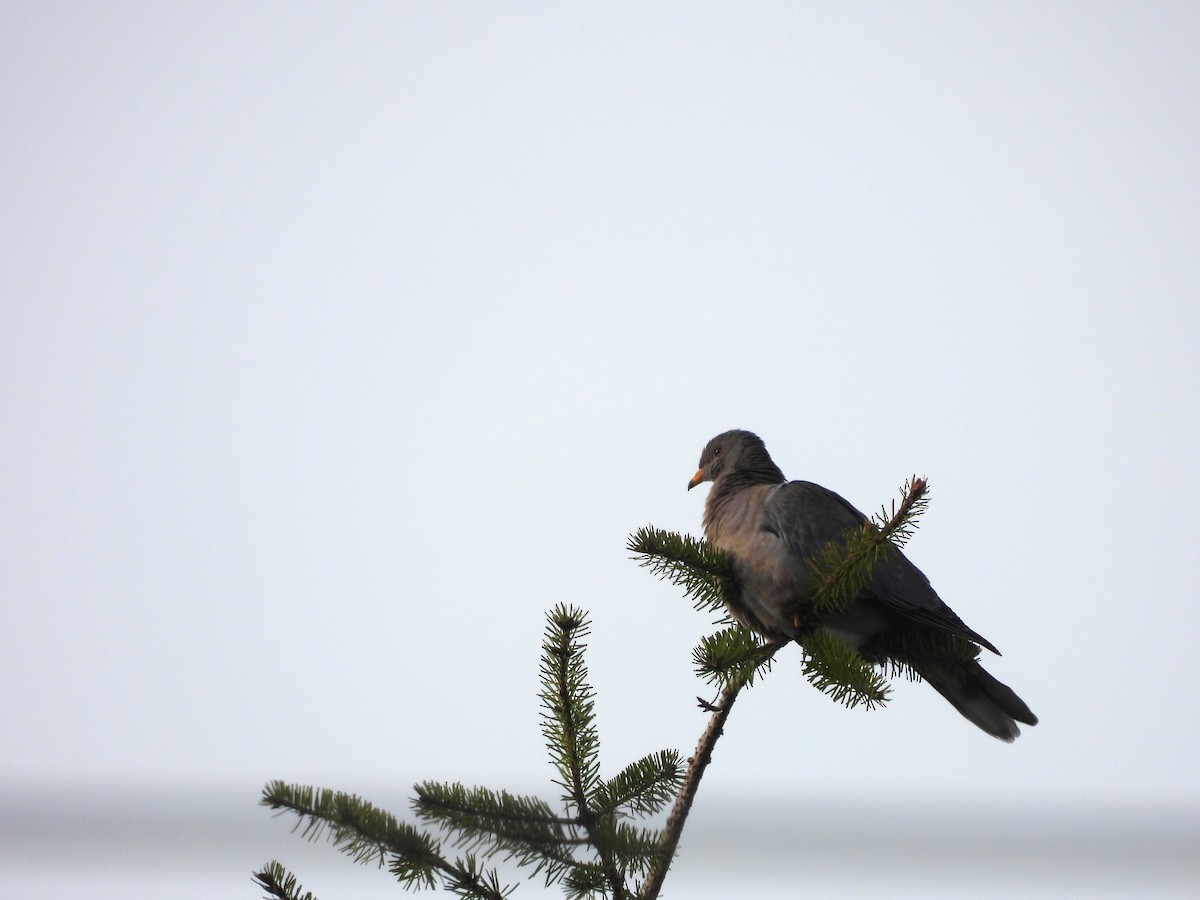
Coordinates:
[771,527]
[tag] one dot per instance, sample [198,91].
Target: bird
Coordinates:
[771,528]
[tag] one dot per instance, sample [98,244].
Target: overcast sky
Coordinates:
[339,343]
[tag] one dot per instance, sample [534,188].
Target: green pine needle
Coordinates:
[841,572]
[632,849]
[368,834]
[357,828]
[568,705]
[732,655]
[280,884]
[834,668]
[585,883]
[643,788]
[703,571]
[469,881]
[517,827]
[900,523]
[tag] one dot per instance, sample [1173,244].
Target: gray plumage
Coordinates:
[770,527]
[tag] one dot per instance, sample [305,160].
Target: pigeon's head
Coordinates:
[736,451]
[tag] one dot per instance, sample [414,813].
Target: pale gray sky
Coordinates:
[338,343]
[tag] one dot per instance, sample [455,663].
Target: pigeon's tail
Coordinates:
[992,706]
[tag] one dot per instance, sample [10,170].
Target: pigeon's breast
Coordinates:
[768,574]
[769,580]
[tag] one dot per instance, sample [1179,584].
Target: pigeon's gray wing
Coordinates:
[807,517]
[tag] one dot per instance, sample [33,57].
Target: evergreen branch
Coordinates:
[521,828]
[901,523]
[280,884]
[632,848]
[568,716]
[366,833]
[669,841]
[642,788]
[703,571]
[568,724]
[835,668]
[480,809]
[733,654]
[841,571]
[355,827]
[470,882]
[585,883]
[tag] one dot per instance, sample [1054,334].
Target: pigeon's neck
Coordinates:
[725,504]
[757,469]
